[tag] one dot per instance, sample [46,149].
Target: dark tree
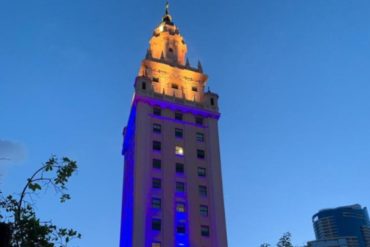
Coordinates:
[285,240]
[19,217]
[265,245]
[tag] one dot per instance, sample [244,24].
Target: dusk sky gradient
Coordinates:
[294,83]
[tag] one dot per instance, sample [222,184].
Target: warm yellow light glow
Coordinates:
[161,28]
[180,207]
[179,150]
[185,79]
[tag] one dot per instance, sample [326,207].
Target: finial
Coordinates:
[148,54]
[200,68]
[187,62]
[167,17]
[167,7]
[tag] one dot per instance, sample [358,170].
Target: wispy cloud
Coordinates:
[11,152]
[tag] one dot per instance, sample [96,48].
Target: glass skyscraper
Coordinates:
[342,227]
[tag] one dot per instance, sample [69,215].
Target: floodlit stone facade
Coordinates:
[172,194]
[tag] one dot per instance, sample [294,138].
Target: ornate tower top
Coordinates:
[167,70]
[167,43]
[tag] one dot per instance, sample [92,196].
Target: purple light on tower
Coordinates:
[171,152]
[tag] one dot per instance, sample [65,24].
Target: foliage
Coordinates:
[265,245]
[18,212]
[284,241]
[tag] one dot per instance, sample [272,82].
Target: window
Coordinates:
[175,86]
[200,154]
[194,89]
[204,231]
[178,133]
[180,168]
[156,203]
[157,128]
[143,85]
[170,50]
[200,137]
[199,120]
[180,228]
[157,111]
[212,101]
[203,210]
[156,224]
[178,115]
[179,151]
[180,187]
[202,190]
[156,163]
[156,244]
[156,183]
[201,172]
[180,207]
[155,79]
[157,145]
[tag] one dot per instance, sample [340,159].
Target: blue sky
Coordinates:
[293,78]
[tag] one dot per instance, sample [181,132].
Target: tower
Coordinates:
[347,226]
[172,194]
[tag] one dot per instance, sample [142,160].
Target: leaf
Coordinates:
[34,186]
[65,197]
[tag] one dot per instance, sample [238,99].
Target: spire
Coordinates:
[187,63]
[167,18]
[148,54]
[200,68]
[167,7]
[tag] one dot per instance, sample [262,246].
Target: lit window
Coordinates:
[201,172]
[175,86]
[203,210]
[194,89]
[200,137]
[156,163]
[157,128]
[179,133]
[179,150]
[178,115]
[204,231]
[156,224]
[156,244]
[202,190]
[180,187]
[157,111]
[156,183]
[199,120]
[200,154]
[180,207]
[157,145]
[180,168]
[180,228]
[156,203]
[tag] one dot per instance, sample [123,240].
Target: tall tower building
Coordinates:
[172,194]
[347,226]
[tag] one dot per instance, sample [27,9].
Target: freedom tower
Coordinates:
[172,193]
